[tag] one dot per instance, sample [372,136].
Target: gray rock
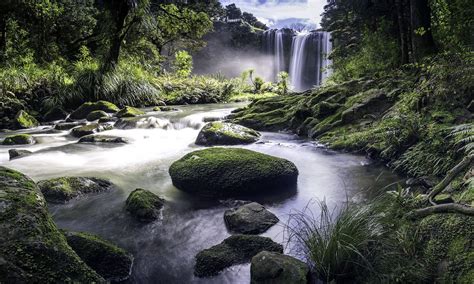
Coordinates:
[18,153]
[250,218]
[63,189]
[90,129]
[234,250]
[269,267]
[102,139]
[222,133]
[144,205]
[67,125]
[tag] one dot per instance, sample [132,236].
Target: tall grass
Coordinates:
[335,243]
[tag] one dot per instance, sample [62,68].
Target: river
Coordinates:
[164,250]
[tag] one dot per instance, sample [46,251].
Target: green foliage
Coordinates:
[183,64]
[282,83]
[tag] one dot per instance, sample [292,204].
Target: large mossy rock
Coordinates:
[226,172]
[86,108]
[23,120]
[234,250]
[90,129]
[250,218]
[269,267]
[19,139]
[68,125]
[32,249]
[108,260]
[10,105]
[221,133]
[144,205]
[96,115]
[63,189]
[55,113]
[129,112]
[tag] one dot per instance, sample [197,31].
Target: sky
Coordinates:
[274,12]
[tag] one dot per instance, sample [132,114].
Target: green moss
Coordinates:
[144,205]
[220,133]
[32,248]
[231,172]
[63,189]
[96,114]
[24,120]
[129,112]
[108,260]
[18,139]
[88,107]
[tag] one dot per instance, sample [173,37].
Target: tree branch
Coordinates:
[442,208]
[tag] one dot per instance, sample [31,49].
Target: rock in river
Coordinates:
[88,107]
[24,120]
[18,153]
[232,172]
[102,139]
[234,250]
[96,115]
[129,112]
[63,189]
[222,133]
[108,260]
[19,139]
[250,218]
[32,249]
[144,205]
[276,268]
[90,129]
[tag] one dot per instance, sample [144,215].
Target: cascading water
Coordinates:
[303,56]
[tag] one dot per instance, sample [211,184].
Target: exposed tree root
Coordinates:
[442,208]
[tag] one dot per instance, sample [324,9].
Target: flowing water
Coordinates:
[164,250]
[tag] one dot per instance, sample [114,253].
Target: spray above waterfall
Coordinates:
[303,55]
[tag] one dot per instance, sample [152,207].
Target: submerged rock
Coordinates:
[18,153]
[67,125]
[221,133]
[108,119]
[90,129]
[86,108]
[144,205]
[230,172]
[19,139]
[108,260]
[250,218]
[96,114]
[129,112]
[276,268]
[165,108]
[32,249]
[102,139]
[24,120]
[63,189]
[234,250]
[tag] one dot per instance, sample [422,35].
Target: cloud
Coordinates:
[274,10]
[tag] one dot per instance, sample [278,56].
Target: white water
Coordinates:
[164,250]
[279,52]
[298,61]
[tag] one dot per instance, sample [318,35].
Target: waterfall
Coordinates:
[303,56]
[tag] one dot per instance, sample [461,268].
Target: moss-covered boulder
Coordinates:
[226,172]
[108,260]
[276,268]
[221,133]
[103,139]
[86,108]
[144,205]
[90,129]
[68,125]
[63,189]
[18,153]
[32,249]
[19,139]
[251,218]
[96,114]
[234,250]
[129,112]
[24,120]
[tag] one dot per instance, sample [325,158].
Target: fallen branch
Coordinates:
[449,177]
[442,208]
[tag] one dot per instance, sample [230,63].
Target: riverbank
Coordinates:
[416,122]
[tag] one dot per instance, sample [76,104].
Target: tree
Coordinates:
[183,64]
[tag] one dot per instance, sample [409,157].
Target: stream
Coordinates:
[164,250]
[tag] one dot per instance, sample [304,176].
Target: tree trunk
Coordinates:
[3,35]
[421,36]
[403,30]
[119,11]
